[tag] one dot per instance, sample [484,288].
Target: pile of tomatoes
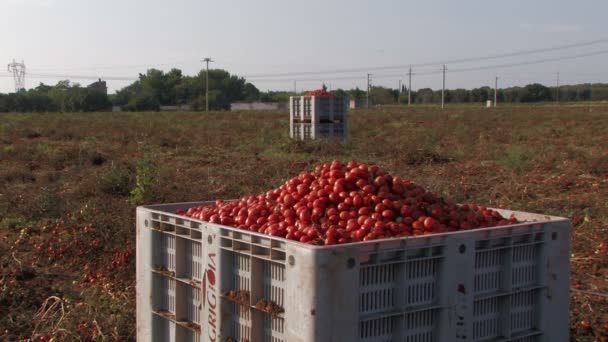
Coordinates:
[318,92]
[341,203]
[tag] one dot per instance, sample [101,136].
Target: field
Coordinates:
[69,184]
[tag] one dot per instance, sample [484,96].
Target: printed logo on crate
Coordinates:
[210,296]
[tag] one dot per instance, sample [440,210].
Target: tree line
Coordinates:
[149,92]
[157,88]
[528,94]
[62,97]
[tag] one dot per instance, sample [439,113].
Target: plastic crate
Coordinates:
[507,283]
[309,131]
[318,109]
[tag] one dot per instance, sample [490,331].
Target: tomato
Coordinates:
[357,201]
[388,214]
[334,197]
[428,223]
[340,203]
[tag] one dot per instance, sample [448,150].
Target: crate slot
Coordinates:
[167,227]
[164,294]
[163,330]
[522,239]
[486,318]
[277,255]
[523,311]
[225,242]
[274,283]
[241,269]
[187,333]
[241,246]
[376,330]
[488,271]
[273,328]
[163,248]
[418,326]
[376,286]
[260,251]
[525,265]
[193,305]
[415,327]
[241,322]
[420,282]
[193,260]
[388,257]
[195,234]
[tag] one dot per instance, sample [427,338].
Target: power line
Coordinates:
[81,77]
[351,77]
[434,63]
[538,61]
[506,65]
[487,67]
[127,66]
[335,71]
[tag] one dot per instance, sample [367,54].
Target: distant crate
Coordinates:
[318,109]
[310,131]
[508,283]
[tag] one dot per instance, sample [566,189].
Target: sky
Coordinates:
[117,39]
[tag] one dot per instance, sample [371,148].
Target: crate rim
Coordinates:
[546,219]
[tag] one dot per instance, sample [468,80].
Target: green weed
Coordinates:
[118,181]
[145,179]
[516,158]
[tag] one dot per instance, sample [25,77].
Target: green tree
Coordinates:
[535,93]
[424,95]
[382,95]
[143,101]
[357,93]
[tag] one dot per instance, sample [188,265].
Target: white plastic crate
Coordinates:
[309,131]
[318,109]
[506,283]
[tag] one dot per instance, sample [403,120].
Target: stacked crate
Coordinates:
[314,117]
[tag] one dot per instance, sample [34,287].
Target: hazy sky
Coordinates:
[113,38]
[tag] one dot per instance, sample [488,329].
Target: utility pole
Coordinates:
[18,71]
[443,88]
[207,60]
[399,92]
[495,91]
[557,89]
[295,87]
[409,88]
[368,89]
